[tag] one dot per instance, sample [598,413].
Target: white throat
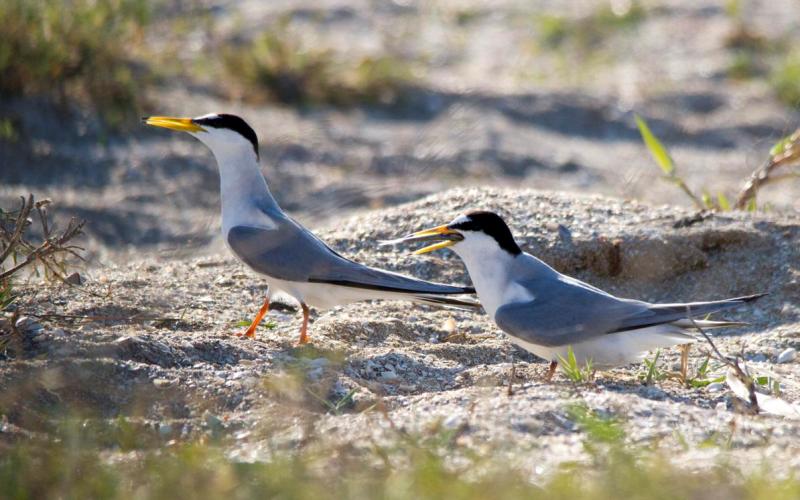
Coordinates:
[244,194]
[489,268]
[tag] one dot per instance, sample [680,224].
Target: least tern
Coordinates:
[293,260]
[545,312]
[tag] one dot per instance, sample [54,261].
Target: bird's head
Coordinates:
[225,135]
[479,233]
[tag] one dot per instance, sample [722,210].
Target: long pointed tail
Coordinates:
[443,301]
[705,323]
[704,308]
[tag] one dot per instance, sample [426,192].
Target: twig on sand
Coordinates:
[785,152]
[685,348]
[732,363]
[511,377]
[14,241]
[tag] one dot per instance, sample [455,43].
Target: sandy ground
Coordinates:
[492,109]
[184,373]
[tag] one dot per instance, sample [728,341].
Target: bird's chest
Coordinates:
[241,213]
[495,287]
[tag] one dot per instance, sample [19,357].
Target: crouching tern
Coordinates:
[545,312]
[293,260]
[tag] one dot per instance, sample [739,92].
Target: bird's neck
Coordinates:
[489,267]
[245,197]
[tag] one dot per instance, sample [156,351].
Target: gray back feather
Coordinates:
[565,310]
[291,253]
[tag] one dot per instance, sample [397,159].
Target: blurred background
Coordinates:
[364,104]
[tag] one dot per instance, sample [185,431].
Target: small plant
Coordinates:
[19,252]
[588,33]
[75,51]
[337,406]
[785,152]
[652,373]
[48,255]
[8,130]
[664,160]
[785,80]
[769,383]
[575,372]
[756,55]
[744,65]
[599,428]
[701,378]
[275,67]
[266,324]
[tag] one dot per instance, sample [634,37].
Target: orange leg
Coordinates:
[551,371]
[304,328]
[251,330]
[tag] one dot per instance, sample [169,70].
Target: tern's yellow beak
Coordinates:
[449,237]
[172,123]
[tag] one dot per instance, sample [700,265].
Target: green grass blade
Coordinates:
[723,202]
[651,368]
[780,146]
[657,150]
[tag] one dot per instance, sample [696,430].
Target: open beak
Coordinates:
[181,124]
[442,235]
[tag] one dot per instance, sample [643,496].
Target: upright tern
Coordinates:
[546,312]
[293,260]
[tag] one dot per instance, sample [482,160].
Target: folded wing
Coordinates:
[291,253]
[567,311]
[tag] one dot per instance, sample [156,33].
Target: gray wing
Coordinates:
[291,253]
[566,311]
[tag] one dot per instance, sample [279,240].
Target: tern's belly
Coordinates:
[601,356]
[321,295]
[617,349]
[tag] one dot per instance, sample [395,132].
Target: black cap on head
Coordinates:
[231,122]
[491,224]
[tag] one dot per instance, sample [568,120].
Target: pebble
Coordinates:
[452,421]
[788,355]
[74,279]
[224,281]
[653,393]
[28,324]
[565,234]
[213,421]
[161,382]
[389,375]
[715,386]
[164,429]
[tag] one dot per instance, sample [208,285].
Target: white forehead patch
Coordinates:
[210,115]
[460,220]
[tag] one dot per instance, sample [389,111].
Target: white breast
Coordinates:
[489,268]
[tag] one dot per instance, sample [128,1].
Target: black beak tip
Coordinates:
[144,119]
